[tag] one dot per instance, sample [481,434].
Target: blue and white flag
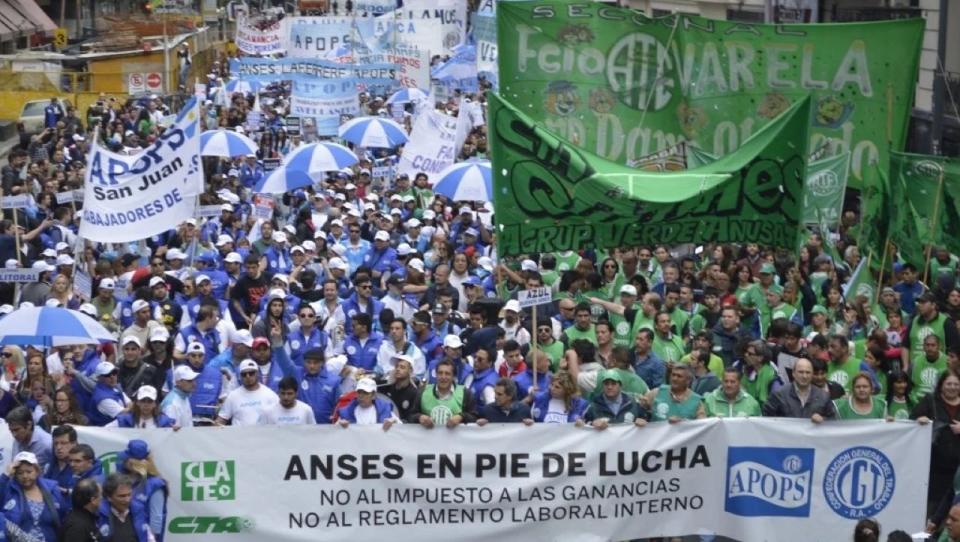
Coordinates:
[460,72]
[318,37]
[282,69]
[325,102]
[127,198]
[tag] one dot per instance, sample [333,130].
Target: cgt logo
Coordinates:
[208,481]
[769,481]
[859,482]
[210,525]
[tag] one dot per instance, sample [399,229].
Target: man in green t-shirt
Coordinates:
[582,328]
[729,400]
[842,367]
[666,345]
[444,403]
[926,369]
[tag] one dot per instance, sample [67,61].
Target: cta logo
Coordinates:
[769,481]
[859,482]
[210,525]
[207,481]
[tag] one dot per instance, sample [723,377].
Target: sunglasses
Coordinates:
[248,373]
[308,315]
[8,354]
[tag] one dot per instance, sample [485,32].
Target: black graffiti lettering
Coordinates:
[763,185]
[539,192]
[740,28]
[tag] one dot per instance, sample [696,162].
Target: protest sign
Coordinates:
[432,25]
[432,146]
[128,198]
[254,40]
[551,195]
[623,86]
[740,478]
[208,211]
[14,202]
[319,37]
[83,284]
[69,196]
[266,70]
[19,275]
[325,102]
[293,125]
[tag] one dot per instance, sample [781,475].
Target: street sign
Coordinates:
[60,38]
[534,296]
[19,275]
[154,81]
[135,83]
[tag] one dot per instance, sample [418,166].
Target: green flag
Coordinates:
[825,187]
[861,283]
[924,205]
[551,195]
[624,86]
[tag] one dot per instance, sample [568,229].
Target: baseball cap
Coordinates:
[64,259]
[105,368]
[472,232]
[485,262]
[472,281]
[466,210]
[404,249]
[628,289]
[88,309]
[49,253]
[176,254]
[452,341]
[108,284]
[439,308]
[297,248]
[139,305]
[337,263]
[196,348]
[403,357]
[775,289]
[768,268]
[226,207]
[367,385]
[281,277]
[528,265]
[42,266]
[429,214]
[234,257]
[223,239]
[131,339]
[26,457]
[159,334]
[147,392]
[259,341]
[200,279]
[279,237]
[314,353]
[512,305]
[184,372]
[611,374]
[242,336]
[309,246]
[248,365]
[417,264]
[818,309]
[382,236]
[136,449]
[413,223]
[157,281]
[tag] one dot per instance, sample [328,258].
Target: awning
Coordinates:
[22,18]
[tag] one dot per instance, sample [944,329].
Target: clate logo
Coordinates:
[208,481]
[859,482]
[769,481]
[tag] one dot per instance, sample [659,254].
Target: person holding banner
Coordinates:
[444,403]
[677,401]
[367,408]
[613,406]
[801,399]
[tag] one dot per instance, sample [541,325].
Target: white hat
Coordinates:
[528,265]
[404,249]
[382,236]
[290,229]
[248,365]
[61,246]
[429,214]
[354,213]
[223,239]
[297,248]
[396,212]
[49,253]
[108,284]
[233,257]
[485,262]
[146,392]
[466,210]
[11,264]
[628,289]
[277,293]
[26,457]
[64,259]
[412,223]
[472,232]
[88,309]
[190,221]
[176,254]
[337,263]
[53,302]
[104,368]
[201,278]
[371,197]
[369,207]
[408,198]
[338,249]
[396,197]
[309,246]
[367,385]
[279,237]
[42,266]
[452,341]
[157,281]
[226,207]
[196,348]
[417,264]
[139,305]
[159,334]
[336,222]
[184,372]
[350,186]
[512,305]
[281,277]
[242,336]
[403,357]
[131,339]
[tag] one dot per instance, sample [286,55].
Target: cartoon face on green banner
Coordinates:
[624,86]
[551,195]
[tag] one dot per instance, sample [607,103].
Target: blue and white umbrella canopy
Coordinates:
[226,143]
[407,95]
[466,181]
[373,132]
[283,180]
[305,166]
[239,85]
[51,326]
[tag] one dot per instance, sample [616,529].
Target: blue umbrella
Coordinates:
[283,180]
[51,326]
[226,143]
[407,95]
[466,181]
[373,132]
[306,165]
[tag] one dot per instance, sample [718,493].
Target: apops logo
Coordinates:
[208,481]
[769,481]
[859,482]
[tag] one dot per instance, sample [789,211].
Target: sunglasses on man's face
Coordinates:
[248,373]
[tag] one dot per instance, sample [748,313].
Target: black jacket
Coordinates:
[494,414]
[80,526]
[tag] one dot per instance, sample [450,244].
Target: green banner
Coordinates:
[551,195]
[924,204]
[624,86]
[826,185]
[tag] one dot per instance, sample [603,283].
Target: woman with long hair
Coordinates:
[611,279]
[62,291]
[13,362]
[35,372]
[149,488]
[942,407]
[899,403]
[66,410]
[559,404]
[144,413]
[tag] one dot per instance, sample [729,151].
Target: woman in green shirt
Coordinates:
[899,403]
[611,279]
[862,404]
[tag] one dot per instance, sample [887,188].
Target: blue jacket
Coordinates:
[298,345]
[541,403]
[16,510]
[484,379]
[362,356]
[210,339]
[95,471]
[321,391]
[278,261]
[462,370]
[380,260]
[651,369]
[63,477]
[524,382]
[142,495]
[384,410]
[432,347]
[193,306]
[137,514]
[494,414]
[351,308]
[100,393]
[126,420]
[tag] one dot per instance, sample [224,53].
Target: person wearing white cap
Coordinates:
[512,324]
[107,400]
[144,414]
[251,172]
[143,322]
[289,410]
[105,304]
[367,408]
[26,493]
[453,352]
[176,405]
[36,292]
[380,259]
[247,404]
[134,371]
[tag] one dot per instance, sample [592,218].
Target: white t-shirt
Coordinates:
[556,412]
[299,414]
[245,407]
[366,416]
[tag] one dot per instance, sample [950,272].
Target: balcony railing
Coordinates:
[851,15]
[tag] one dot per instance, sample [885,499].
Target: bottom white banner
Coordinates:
[749,479]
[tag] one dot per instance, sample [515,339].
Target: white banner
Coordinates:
[254,41]
[128,198]
[742,478]
[19,275]
[433,25]
[325,102]
[432,146]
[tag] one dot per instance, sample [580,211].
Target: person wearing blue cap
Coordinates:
[149,488]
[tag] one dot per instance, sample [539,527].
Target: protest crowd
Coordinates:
[371,299]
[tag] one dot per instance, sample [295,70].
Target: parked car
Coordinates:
[31,117]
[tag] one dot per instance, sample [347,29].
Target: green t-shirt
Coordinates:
[843,373]
[845,411]
[669,349]
[550,278]
[566,260]
[924,375]
[622,330]
[631,384]
[899,410]
[920,329]
[758,384]
[665,407]
[441,410]
[679,317]
[717,405]
[573,333]
[714,365]
[554,351]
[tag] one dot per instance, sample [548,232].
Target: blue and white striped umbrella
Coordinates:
[407,95]
[51,326]
[373,132]
[305,166]
[226,143]
[239,85]
[282,180]
[466,181]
